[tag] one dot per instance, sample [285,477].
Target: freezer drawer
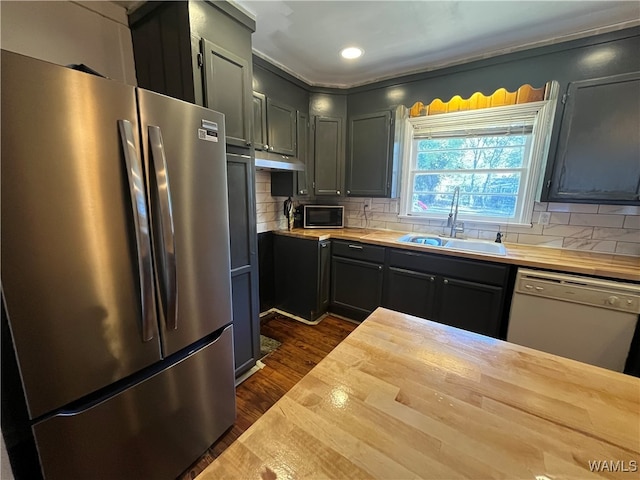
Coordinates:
[153,430]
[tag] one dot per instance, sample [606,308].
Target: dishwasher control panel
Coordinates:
[587,291]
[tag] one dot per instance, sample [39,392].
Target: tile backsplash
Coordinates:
[598,228]
[269,210]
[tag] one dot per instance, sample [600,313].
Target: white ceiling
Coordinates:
[399,37]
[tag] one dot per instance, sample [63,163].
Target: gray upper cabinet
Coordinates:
[199,52]
[274,126]
[327,140]
[370,157]
[598,156]
[227,88]
[259,121]
[303,179]
[329,155]
[281,125]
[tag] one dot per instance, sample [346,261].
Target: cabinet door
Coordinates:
[370,155]
[410,292]
[471,306]
[599,146]
[244,261]
[163,53]
[356,285]
[259,121]
[296,275]
[227,85]
[281,124]
[324,280]
[329,156]
[303,179]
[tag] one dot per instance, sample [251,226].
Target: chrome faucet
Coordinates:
[452,221]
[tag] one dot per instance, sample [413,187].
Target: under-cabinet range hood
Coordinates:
[274,161]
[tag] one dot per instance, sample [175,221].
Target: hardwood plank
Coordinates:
[303,347]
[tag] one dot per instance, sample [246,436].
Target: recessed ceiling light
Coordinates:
[351,52]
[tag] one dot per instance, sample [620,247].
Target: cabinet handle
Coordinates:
[379,267]
[432,279]
[324,245]
[248,144]
[271,149]
[348,192]
[337,192]
[301,192]
[266,147]
[357,247]
[446,282]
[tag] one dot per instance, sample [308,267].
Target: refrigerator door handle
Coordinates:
[141,222]
[159,160]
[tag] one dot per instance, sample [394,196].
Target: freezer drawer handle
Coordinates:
[168,243]
[141,222]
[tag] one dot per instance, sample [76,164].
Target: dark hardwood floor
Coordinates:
[303,346]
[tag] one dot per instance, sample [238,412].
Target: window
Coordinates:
[495,156]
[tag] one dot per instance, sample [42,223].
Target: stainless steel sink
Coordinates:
[476,246]
[455,243]
[429,240]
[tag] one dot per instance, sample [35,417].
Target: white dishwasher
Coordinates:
[582,318]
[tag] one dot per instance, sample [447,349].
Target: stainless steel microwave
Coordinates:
[323,216]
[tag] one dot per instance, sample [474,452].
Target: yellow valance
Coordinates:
[524,94]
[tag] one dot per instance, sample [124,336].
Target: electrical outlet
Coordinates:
[544,218]
[367,203]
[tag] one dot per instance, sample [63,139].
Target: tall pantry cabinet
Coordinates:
[200,52]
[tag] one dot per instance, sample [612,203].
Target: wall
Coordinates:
[597,228]
[269,210]
[93,33]
[602,228]
[591,57]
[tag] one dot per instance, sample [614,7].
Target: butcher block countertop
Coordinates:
[402,397]
[620,267]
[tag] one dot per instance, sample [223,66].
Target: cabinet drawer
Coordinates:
[358,251]
[482,272]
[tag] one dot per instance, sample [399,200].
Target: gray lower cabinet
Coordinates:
[244,261]
[410,292]
[458,292]
[370,156]
[302,276]
[598,154]
[328,156]
[473,306]
[357,272]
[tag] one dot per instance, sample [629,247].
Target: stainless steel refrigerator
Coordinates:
[115,271]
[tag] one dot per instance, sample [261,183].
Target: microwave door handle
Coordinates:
[167,243]
[141,227]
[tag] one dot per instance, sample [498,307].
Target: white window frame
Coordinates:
[540,114]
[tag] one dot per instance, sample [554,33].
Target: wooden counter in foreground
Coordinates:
[403,397]
[614,266]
